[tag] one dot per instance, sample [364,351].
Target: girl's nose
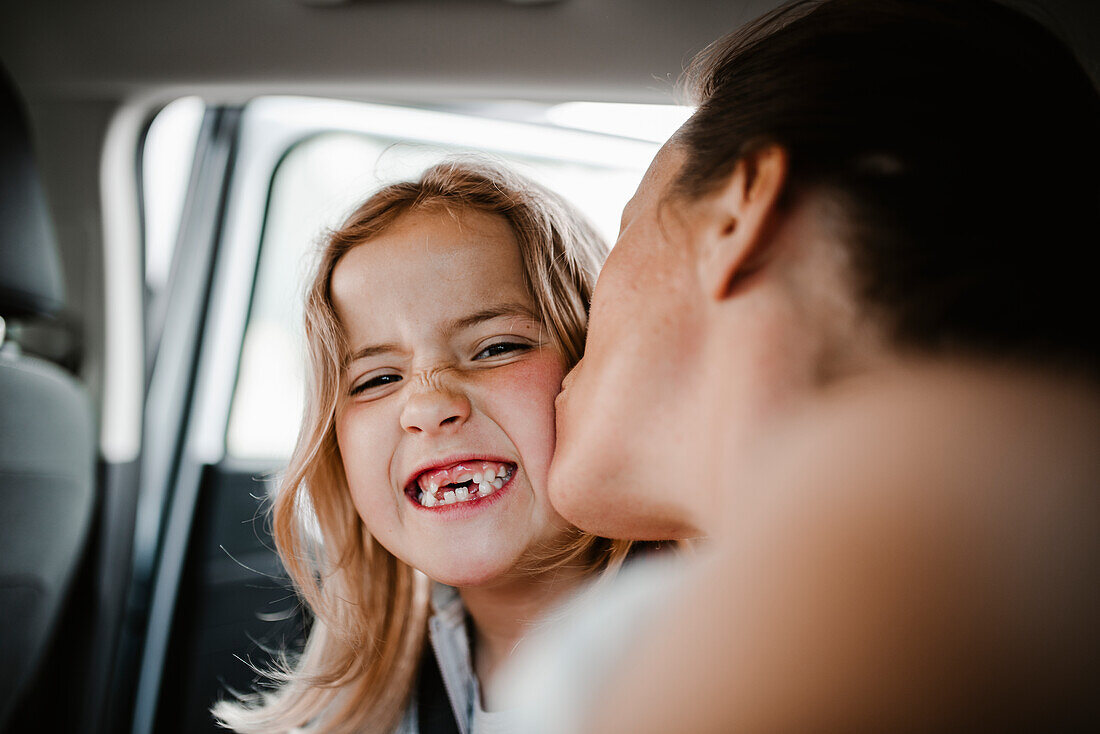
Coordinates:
[433,410]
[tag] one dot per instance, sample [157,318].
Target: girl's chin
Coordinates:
[471,562]
[477,573]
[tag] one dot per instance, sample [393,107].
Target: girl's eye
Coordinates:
[374,382]
[495,350]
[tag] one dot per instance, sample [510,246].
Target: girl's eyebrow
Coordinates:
[371,350]
[516,310]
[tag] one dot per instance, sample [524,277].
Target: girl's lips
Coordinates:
[440,469]
[459,508]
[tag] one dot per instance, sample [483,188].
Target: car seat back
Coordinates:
[47,433]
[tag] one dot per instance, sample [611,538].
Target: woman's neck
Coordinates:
[502,613]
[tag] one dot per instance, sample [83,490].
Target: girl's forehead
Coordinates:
[435,243]
[429,267]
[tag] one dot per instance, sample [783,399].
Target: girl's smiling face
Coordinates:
[446,421]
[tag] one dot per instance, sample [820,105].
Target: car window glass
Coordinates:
[167,156]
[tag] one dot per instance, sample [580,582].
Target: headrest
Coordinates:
[30,269]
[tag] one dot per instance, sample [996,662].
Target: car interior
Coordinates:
[166,169]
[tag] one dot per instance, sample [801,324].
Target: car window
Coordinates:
[166,159]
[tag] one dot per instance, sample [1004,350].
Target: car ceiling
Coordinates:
[629,50]
[604,49]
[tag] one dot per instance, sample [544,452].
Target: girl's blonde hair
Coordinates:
[369,608]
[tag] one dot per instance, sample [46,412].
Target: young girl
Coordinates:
[441,319]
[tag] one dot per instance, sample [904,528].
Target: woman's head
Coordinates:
[863,180]
[958,140]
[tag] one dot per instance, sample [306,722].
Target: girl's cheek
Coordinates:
[520,398]
[532,383]
[541,373]
[363,445]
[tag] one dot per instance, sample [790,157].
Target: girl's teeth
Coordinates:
[458,494]
[491,478]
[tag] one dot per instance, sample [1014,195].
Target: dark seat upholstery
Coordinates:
[47,444]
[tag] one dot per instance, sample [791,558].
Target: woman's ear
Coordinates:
[736,217]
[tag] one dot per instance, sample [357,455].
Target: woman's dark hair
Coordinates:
[962,141]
